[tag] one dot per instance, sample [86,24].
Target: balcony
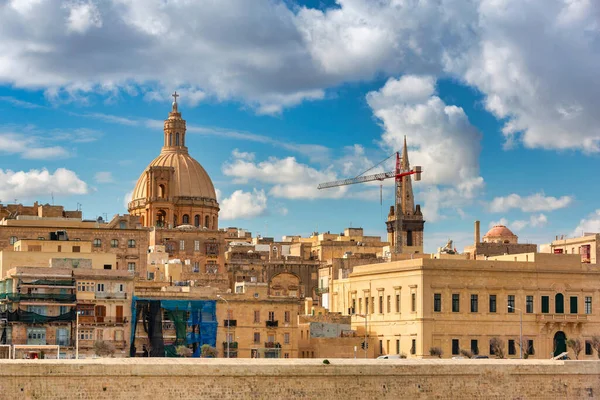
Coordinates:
[96,320]
[232,345]
[111,296]
[57,297]
[89,344]
[322,290]
[272,324]
[230,323]
[30,317]
[561,317]
[272,345]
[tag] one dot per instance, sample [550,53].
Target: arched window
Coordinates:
[114,243]
[97,243]
[197,220]
[177,139]
[186,219]
[161,191]
[170,139]
[131,243]
[206,220]
[175,220]
[559,303]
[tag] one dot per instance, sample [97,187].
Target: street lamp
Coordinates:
[520,330]
[228,322]
[366,343]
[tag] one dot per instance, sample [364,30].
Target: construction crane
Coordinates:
[397,174]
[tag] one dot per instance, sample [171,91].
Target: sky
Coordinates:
[498,100]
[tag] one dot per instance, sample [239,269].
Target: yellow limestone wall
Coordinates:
[288,379]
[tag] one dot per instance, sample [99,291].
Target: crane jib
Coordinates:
[368,178]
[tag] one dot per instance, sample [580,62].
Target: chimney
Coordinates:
[477,233]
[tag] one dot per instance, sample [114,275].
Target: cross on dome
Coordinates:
[175,96]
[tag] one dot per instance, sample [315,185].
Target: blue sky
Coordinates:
[500,113]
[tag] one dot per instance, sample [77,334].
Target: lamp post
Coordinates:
[366,343]
[520,330]
[227,339]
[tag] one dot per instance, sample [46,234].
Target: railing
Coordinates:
[561,317]
[31,317]
[58,297]
[89,343]
[96,320]
[272,345]
[272,324]
[232,345]
[48,282]
[322,290]
[111,295]
[230,323]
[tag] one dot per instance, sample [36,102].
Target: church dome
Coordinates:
[189,179]
[500,233]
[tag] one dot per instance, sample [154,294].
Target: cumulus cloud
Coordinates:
[28,147]
[243,205]
[440,137]
[533,203]
[34,183]
[534,221]
[589,224]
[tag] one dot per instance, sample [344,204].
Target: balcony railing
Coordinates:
[113,295]
[89,343]
[322,290]
[230,323]
[272,345]
[96,320]
[232,345]
[561,317]
[30,317]
[58,297]
[272,324]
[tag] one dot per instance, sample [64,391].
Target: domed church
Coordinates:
[174,190]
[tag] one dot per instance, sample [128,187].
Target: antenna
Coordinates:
[52,194]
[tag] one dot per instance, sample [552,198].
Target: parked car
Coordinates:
[479,357]
[390,356]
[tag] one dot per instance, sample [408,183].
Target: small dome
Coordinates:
[500,234]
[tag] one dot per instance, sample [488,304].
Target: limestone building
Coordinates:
[586,246]
[405,223]
[499,240]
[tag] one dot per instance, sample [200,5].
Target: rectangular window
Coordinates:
[380,304]
[397,346]
[182,245]
[511,303]
[413,348]
[360,310]
[573,304]
[474,303]
[100,287]
[150,276]
[131,267]
[588,348]
[286,317]
[413,302]
[373,305]
[437,302]
[286,355]
[545,304]
[529,305]
[196,245]
[492,303]
[455,302]
[491,348]
[455,347]
[271,315]
[256,316]
[474,347]
[196,267]
[397,302]
[62,337]
[366,305]
[286,338]
[76,249]
[381,347]
[588,304]
[511,347]
[257,337]
[389,304]
[530,349]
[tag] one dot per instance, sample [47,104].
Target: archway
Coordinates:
[559,303]
[197,221]
[161,216]
[186,219]
[161,191]
[560,343]
[206,221]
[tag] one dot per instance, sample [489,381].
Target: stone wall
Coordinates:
[251,379]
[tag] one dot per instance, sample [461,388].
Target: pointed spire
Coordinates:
[405,163]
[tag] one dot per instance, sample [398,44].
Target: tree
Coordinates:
[576,346]
[596,344]
[102,348]
[208,351]
[497,347]
[527,346]
[436,351]
[184,351]
[466,353]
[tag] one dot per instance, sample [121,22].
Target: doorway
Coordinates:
[560,343]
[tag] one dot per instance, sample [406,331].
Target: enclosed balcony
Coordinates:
[230,323]
[272,324]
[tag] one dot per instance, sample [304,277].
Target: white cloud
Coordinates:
[103,177]
[589,224]
[533,203]
[440,137]
[83,15]
[534,221]
[127,198]
[31,184]
[28,147]
[243,205]
[288,178]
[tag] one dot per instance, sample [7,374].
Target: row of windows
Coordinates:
[528,347]
[98,287]
[270,338]
[371,309]
[114,243]
[559,306]
[286,316]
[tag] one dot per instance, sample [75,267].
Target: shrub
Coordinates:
[576,346]
[497,347]
[103,349]
[402,355]
[326,362]
[466,353]
[436,351]
[184,351]
[208,351]
[596,344]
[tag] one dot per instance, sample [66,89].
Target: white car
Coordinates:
[389,356]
